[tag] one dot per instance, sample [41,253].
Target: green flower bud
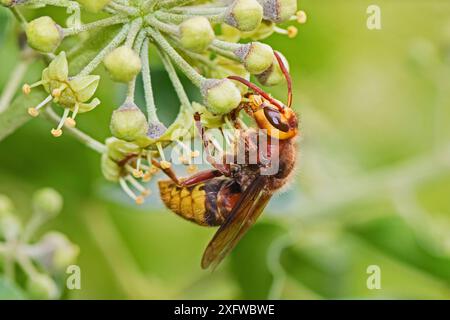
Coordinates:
[118,150]
[10,226]
[273,75]
[229,33]
[257,57]
[265,30]
[84,87]
[208,119]
[110,169]
[278,10]
[47,201]
[245,15]
[59,251]
[6,204]
[8,3]
[156,130]
[220,95]
[123,64]
[94,5]
[128,122]
[196,34]
[226,68]
[41,286]
[44,34]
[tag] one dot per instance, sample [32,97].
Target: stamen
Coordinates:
[56,93]
[26,88]
[58,132]
[164,163]
[192,169]
[291,31]
[138,173]
[144,191]
[147,177]
[183,160]
[301,17]
[70,121]
[193,153]
[154,170]
[34,112]
[130,193]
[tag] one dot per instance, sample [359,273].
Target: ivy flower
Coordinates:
[71,93]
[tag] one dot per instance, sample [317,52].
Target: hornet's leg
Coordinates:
[201,176]
[222,167]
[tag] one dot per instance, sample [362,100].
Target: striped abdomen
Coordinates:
[207,204]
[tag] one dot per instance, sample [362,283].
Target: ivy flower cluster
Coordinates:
[207,41]
[42,262]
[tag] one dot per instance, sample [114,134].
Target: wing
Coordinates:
[246,211]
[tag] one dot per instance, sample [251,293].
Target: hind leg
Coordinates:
[201,176]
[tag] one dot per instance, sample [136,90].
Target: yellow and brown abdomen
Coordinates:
[206,204]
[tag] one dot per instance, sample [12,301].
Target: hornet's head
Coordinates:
[279,120]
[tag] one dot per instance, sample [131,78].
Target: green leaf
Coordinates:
[5,22]
[10,291]
[16,115]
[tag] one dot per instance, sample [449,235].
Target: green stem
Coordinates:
[179,18]
[131,91]
[118,39]
[147,80]
[224,53]
[124,9]
[203,10]
[178,86]
[136,26]
[79,135]
[118,19]
[189,71]
[149,5]
[174,3]
[162,26]
[13,84]
[224,45]
[19,16]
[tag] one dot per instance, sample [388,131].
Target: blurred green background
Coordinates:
[372,188]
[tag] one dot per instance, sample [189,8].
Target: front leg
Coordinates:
[199,177]
[223,167]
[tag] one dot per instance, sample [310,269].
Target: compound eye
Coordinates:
[274,117]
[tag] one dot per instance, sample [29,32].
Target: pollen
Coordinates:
[56,133]
[26,89]
[147,177]
[153,170]
[192,169]
[33,112]
[138,173]
[195,154]
[183,160]
[140,200]
[56,93]
[292,32]
[165,164]
[70,122]
[301,17]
